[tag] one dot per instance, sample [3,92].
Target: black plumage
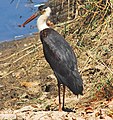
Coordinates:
[62,60]
[58,54]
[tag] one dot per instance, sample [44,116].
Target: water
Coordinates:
[14,14]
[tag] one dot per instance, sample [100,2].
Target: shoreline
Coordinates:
[9,44]
[19,37]
[53,18]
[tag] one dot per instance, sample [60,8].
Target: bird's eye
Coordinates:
[42,7]
[43,11]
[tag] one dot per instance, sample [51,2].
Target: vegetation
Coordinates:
[88,27]
[27,79]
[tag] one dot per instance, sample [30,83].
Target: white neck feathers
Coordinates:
[42,20]
[41,23]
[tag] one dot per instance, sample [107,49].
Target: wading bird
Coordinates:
[58,54]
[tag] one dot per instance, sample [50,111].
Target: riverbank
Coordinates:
[28,88]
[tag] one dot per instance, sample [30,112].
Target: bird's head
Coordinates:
[42,10]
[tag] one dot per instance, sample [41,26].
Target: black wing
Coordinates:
[62,60]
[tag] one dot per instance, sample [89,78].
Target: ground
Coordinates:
[28,87]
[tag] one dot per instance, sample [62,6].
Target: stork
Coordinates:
[58,54]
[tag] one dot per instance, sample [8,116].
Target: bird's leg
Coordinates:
[63,97]
[60,109]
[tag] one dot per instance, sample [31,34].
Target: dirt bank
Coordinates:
[28,88]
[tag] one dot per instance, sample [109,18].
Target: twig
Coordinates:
[25,55]
[18,60]
[100,63]
[20,52]
[85,64]
[61,24]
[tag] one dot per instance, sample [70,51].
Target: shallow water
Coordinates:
[14,14]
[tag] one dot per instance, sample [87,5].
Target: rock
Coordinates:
[0,53]
[52,76]
[7,116]
[25,45]
[2,73]
[19,74]
[1,86]
[110,104]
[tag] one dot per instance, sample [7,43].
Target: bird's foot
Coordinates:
[60,108]
[67,110]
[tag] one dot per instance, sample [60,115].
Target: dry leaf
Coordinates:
[29,84]
[88,110]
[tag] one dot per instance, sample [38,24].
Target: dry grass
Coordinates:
[89,32]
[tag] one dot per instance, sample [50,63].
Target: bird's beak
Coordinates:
[30,19]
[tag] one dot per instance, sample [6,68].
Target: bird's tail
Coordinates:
[73,81]
[75,84]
